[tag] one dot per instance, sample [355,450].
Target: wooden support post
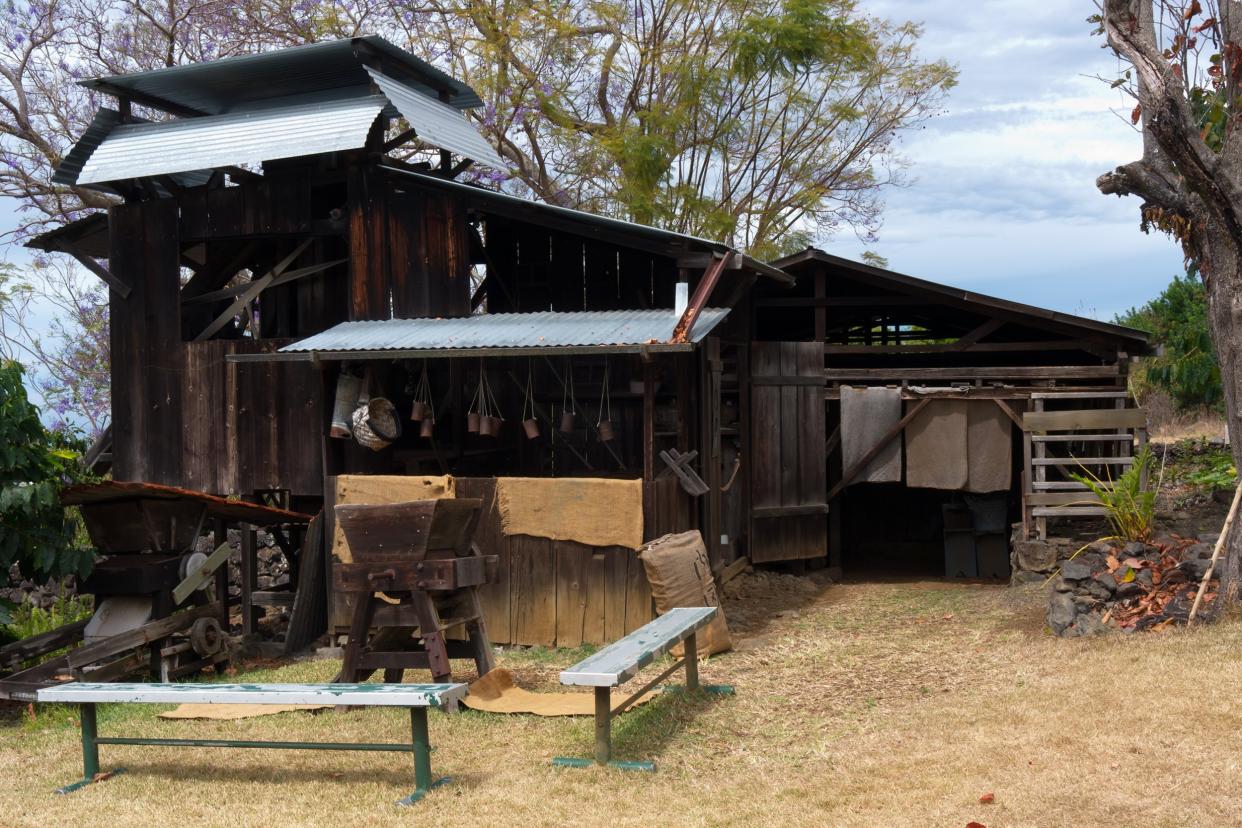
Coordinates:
[1040,473]
[648,420]
[249,580]
[603,725]
[220,534]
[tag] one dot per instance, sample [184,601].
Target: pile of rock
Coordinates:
[1128,586]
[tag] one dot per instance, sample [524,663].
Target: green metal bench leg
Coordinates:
[90,750]
[422,758]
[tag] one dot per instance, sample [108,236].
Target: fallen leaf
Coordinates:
[975,825]
[1112,563]
[1126,577]
[948,617]
[1134,563]
[988,798]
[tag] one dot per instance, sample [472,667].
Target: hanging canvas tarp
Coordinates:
[936,453]
[990,447]
[866,415]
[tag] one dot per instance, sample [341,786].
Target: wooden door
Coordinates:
[789,482]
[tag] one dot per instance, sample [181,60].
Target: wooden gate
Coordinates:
[789,511]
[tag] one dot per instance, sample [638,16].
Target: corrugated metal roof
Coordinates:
[331,68]
[519,331]
[437,123]
[135,150]
[100,128]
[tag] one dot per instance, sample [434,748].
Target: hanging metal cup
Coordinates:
[531,427]
[428,426]
[490,426]
[567,422]
[473,422]
[420,411]
[606,433]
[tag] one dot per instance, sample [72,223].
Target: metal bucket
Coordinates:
[348,387]
[376,424]
[606,432]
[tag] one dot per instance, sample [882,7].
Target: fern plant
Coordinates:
[1130,506]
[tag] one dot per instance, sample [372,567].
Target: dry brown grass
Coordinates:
[879,704]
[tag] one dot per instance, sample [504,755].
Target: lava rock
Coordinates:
[1075,570]
[1199,550]
[1195,568]
[1128,590]
[1095,589]
[1061,612]
[1085,624]
[1143,577]
[1106,580]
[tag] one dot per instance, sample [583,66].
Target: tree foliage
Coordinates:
[1177,321]
[35,532]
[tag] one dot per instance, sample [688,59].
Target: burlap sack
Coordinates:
[681,576]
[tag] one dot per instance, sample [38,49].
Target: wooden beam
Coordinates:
[702,292]
[1050,372]
[958,347]
[1096,419]
[400,139]
[122,289]
[840,301]
[1010,413]
[252,290]
[853,471]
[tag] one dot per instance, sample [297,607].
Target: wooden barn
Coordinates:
[275,272]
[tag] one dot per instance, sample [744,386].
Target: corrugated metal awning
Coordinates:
[137,150]
[498,334]
[437,123]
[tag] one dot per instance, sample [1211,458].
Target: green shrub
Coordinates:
[1131,506]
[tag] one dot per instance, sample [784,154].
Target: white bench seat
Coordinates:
[354,695]
[620,661]
[415,697]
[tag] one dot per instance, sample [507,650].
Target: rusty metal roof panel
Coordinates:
[326,69]
[518,331]
[437,123]
[189,144]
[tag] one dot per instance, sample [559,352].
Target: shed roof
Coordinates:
[498,334]
[901,283]
[325,70]
[581,222]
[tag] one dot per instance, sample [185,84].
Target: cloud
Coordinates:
[1003,196]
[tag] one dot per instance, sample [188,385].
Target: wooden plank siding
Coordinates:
[562,593]
[788,463]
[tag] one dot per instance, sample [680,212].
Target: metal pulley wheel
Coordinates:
[192,562]
[206,637]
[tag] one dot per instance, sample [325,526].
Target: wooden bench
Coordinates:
[620,661]
[416,697]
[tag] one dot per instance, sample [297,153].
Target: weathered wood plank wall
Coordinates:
[789,478]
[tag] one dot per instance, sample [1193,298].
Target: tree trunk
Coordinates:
[1220,257]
